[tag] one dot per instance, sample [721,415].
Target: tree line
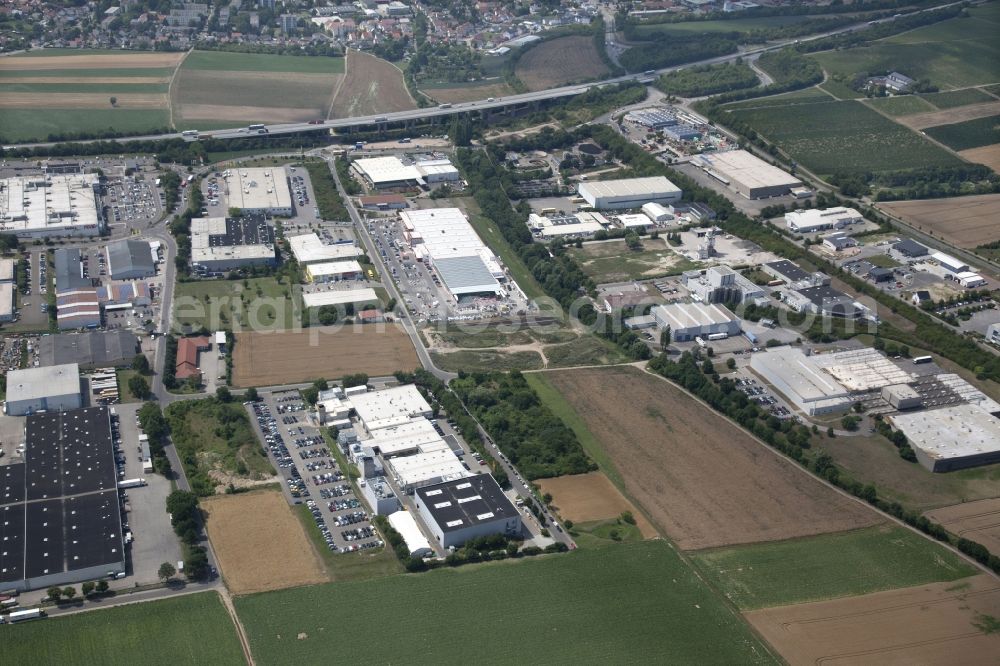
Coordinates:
[707,80]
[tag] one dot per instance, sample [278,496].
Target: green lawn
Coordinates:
[687,28]
[883,260]
[29,124]
[490,234]
[840,90]
[260,62]
[955,98]
[633,603]
[903,105]
[828,566]
[217,304]
[586,350]
[597,533]
[124,394]
[190,629]
[473,360]
[970,134]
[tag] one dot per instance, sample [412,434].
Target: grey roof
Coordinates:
[788,269]
[830,301]
[96,349]
[910,247]
[462,503]
[43,382]
[126,256]
[69,270]
[466,275]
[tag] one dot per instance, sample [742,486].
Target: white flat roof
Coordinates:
[414,435]
[390,407]
[815,217]
[7,270]
[800,373]
[35,383]
[423,467]
[630,220]
[653,186]
[861,369]
[950,432]
[748,169]
[334,268]
[386,169]
[309,249]
[416,542]
[48,203]
[339,297]
[689,315]
[258,189]
[947,260]
[6,299]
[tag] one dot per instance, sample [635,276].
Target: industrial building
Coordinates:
[222,244]
[949,263]
[124,295]
[383,202]
[59,509]
[42,206]
[309,249]
[390,172]
[444,240]
[815,219]
[7,270]
[655,118]
[839,241]
[425,469]
[417,435]
[993,333]
[577,225]
[318,299]
[130,260]
[78,308]
[463,509]
[260,191]
[950,438]
[721,284]
[628,192]
[657,213]
[970,280]
[416,542]
[910,248]
[633,221]
[6,302]
[379,495]
[690,320]
[389,407]
[45,388]
[682,132]
[749,175]
[785,270]
[902,396]
[97,349]
[69,270]
[801,380]
[334,271]
[825,300]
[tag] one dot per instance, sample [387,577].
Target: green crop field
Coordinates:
[687,28]
[846,136]
[954,98]
[260,62]
[828,566]
[190,629]
[804,96]
[30,124]
[904,105]
[630,603]
[970,134]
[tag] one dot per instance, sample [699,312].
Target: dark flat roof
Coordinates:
[456,505]
[831,301]
[44,540]
[12,538]
[910,247]
[69,453]
[789,270]
[249,230]
[93,529]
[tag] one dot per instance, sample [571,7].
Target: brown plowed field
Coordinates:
[287,357]
[702,480]
[249,114]
[921,121]
[586,497]
[129,61]
[976,521]
[371,85]
[963,221]
[81,100]
[929,624]
[469,93]
[260,543]
[988,155]
[560,61]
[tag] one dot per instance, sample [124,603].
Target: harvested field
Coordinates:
[371,85]
[939,623]
[468,93]
[988,155]
[962,221]
[214,112]
[921,121]
[264,359]
[260,543]
[586,497]
[560,61]
[123,61]
[81,100]
[976,521]
[701,479]
[126,80]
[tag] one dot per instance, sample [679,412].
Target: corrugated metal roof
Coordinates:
[466,275]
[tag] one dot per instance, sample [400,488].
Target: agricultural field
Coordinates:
[987,155]
[977,521]
[189,629]
[962,221]
[287,357]
[969,134]
[70,91]
[560,61]
[901,105]
[217,87]
[612,261]
[689,28]
[456,93]
[956,98]
[257,303]
[371,85]
[474,360]
[843,137]
[936,624]
[260,543]
[589,497]
[805,96]
[631,603]
[959,115]
[700,479]
[829,566]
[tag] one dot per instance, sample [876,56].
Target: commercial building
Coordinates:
[721,284]
[902,396]
[970,280]
[334,271]
[78,308]
[186,365]
[414,436]
[97,349]
[657,213]
[59,509]
[318,299]
[801,380]
[633,221]
[41,206]
[824,299]
[390,407]
[424,469]
[390,172]
[749,175]
[437,171]
[949,263]
[6,301]
[910,248]
[578,225]
[784,269]
[951,438]
[444,240]
[7,270]
[416,542]
[682,132]
[463,509]
[383,202]
[815,219]
[655,118]
[839,241]
[309,249]
[261,191]
[130,260]
[379,495]
[124,295]
[69,270]
[629,192]
[690,320]
[222,244]
[45,388]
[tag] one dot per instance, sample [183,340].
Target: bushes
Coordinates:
[707,80]
[676,50]
[331,205]
[155,427]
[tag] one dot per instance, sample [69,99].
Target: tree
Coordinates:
[102,586]
[196,563]
[55,593]
[166,571]
[731,363]
[88,588]
[829,432]
[114,101]
[139,387]
[251,394]
[69,591]
[665,337]
[222,394]
[141,364]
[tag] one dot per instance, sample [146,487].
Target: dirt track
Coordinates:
[930,624]
[124,61]
[702,480]
[586,497]
[977,521]
[82,101]
[964,221]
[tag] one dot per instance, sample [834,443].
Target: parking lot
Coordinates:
[132,201]
[306,213]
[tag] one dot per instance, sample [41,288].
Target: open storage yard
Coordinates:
[189,629]
[260,543]
[962,221]
[701,479]
[634,603]
[371,85]
[560,61]
[287,357]
[976,521]
[938,623]
[587,497]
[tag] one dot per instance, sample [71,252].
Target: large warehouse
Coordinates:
[629,192]
[130,260]
[262,191]
[60,518]
[951,438]
[424,469]
[390,172]
[815,219]
[78,308]
[444,240]
[97,349]
[334,271]
[51,388]
[462,509]
[690,320]
[222,243]
[802,380]
[310,249]
[50,205]
[6,301]
[747,174]
[318,299]
[389,407]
